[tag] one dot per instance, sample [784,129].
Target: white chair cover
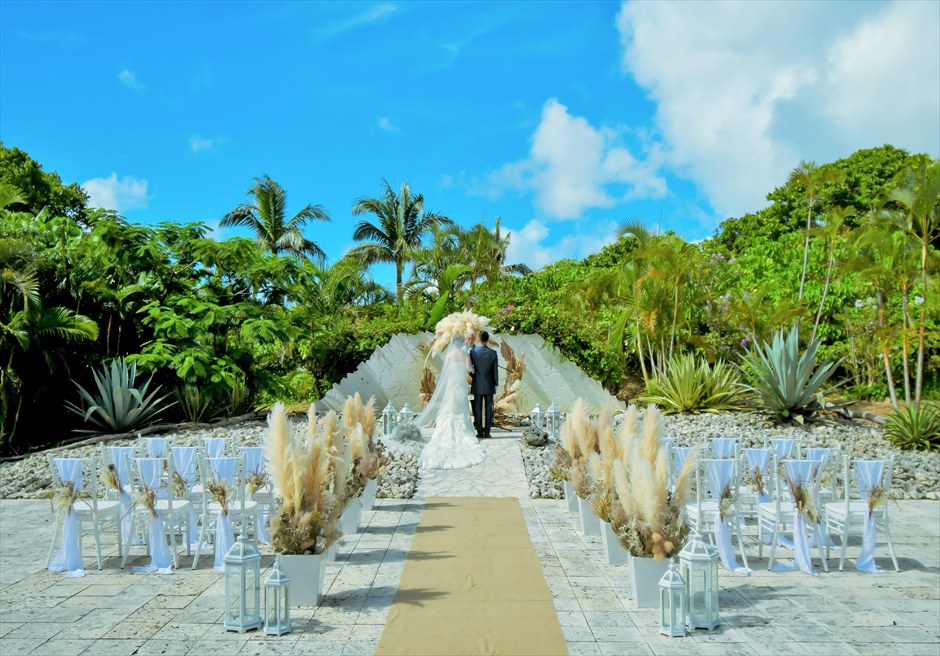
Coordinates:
[156,447]
[720,473]
[869,474]
[223,469]
[69,557]
[819,453]
[801,472]
[757,460]
[215,447]
[184,462]
[724,447]
[783,447]
[151,471]
[254,464]
[120,456]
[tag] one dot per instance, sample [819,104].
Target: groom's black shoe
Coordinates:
[480,437]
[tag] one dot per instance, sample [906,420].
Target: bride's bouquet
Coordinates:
[454,325]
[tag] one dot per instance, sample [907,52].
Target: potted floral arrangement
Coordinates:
[309,476]
[368,453]
[579,438]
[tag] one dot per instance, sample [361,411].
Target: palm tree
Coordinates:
[811,177]
[833,230]
[484,252]
[266,216]
[402,223]
[918,195]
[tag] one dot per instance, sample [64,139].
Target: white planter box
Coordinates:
[571,497]
[645,574]
[349,521]
[368,495]
[589,521]
[616,554]
[329,556]
[306,578]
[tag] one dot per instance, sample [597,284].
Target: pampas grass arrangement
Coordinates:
[626,477]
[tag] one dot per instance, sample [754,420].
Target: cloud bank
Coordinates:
[120,195]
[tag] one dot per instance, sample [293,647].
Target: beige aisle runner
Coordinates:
[472,584]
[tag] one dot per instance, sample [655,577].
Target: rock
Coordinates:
[534,436]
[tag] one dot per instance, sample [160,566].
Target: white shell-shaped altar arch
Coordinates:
[394,372]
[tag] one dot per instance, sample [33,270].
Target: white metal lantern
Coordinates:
[276,601]
[672,602]
[537,415]
[405,415]
[698,565]
[242,587]
[553,417]
[389,419]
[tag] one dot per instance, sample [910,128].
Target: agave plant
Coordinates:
[119,405]
[193,403]
[788,382]
[915,426]
[690,385]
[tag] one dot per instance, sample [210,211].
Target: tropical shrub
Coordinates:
[788,382]
[193,404]
[119,405]
[690,385]
[915,426]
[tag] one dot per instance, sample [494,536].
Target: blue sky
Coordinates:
[563,119]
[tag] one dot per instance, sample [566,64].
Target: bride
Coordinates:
[453,443]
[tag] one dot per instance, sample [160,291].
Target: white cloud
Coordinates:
[744,91]
[120,195]
[385,123]
[528,246]
[129,79]
[573,166]
[373,14]
[198,144]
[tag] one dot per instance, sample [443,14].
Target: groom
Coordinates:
[483,386]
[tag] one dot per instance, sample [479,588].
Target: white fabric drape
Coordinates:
[215,447]
[783,447]
[724,446]
[120,456]
[801,472]
[156,447]
[254,465]
[757,461]
[223,469]
[69,557]
[185,459]
[681,454]
[720,473]
[869,475]
[150,471]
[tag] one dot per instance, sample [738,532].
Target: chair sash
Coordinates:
[150,471]
[822,454]
[156,447]
[69,557]
[184,462]
[254,464]
[757,461]
[215,447]
[803,473]
[783,447]
[724,447]
[720,475]
[869,475]
[225,470]
[120,456]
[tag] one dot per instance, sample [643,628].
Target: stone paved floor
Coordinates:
[115,612]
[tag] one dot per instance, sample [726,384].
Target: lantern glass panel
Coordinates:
[251,599]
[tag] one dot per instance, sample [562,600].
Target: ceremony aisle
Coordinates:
[472,584]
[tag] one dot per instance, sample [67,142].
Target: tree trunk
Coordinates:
[399,290]
[884,350]
[809,224]
[904,325]
[825,291]
[675,316]
[639,351]
[919,383]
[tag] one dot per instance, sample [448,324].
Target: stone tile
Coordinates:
[319,648]
[271,647]
[56,647]
[37,630]
[624,649]
[583,647]
[16,647]
[115,647]
[159,647]
[577,633]
[360,647]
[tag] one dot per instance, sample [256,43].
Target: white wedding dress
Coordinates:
[453,443]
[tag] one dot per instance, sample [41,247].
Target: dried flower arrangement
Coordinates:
[369,459]
[754,479]
[803,500]
[111,479]
[221,493]
[147,499]
[507,402]
[646,515]
[459,323]
[579,439]
[64,497]
[428,385]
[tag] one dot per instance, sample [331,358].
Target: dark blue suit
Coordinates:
[483,387]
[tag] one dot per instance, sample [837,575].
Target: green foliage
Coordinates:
[39,190]
[915,426]
[119,405]
[689,384]
[193,404]
[788,382]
